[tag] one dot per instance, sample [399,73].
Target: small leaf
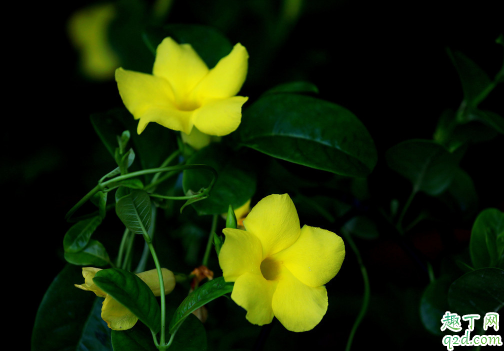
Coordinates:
[308,131]
[434,304]
[479,292]
[199,297]
[491,119]
[123,140]
[428,165]
[94,254]
[131,292]
[294,87]
[362,227]
[69,318]
[77,237]
[486,250]
[134,210]
[217,243]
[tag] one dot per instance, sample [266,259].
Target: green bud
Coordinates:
[231,218]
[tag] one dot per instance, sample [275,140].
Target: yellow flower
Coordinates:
[87,29]
[183,94]
[279,269]
[116,315]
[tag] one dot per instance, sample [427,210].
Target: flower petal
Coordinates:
[315,257]
[116,315]
[240,254]
[297,306]
[219,117]
[88,273]
[180,65]
[226,78]
[274,220]
[152,280]
[254,294]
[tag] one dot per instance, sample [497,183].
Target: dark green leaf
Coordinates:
[134,210]
[69,318]
[479,292]
[294,87]
[102,203]
[235,185]
[217,243]
[474,80]
[487,239]
[131,292]
[199,297]
[133,183]
[308,131]
[94,254]
[434,304]
[208,42]
[362,227]
[428,165]
[121,192]
[79,234]
[461,195]
[491,119]
[190,337]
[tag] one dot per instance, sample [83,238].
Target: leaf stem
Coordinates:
[165,163]
[210,241]
[121,248]
[403,212]
[367,291]
[82,201]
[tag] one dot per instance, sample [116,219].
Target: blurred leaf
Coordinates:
[134,210]
[121,192]
[308,131]
[474,80]
[217,243]
[362,227]
[487,239]
[469,133]
[94,254]
[235,184]
[77,237]
[434,304]
[69,318]
[491,119]
[191,336]
[199,297]
[102,203]
[479,292]
[133,183]
[294,87]
[132,292]
[461,195]
[428,165]
[208,42]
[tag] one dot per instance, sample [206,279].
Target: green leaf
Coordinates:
[69,318]
[487,244]
[461,194]
[308,131]
[77,237]
[428,165]
[235,184]
[102,203]
[199,297]
[491,119]
[123,140]
[434,304]
[217,243]
[362,227]
[131,292]
[474,80]
[133,183]
[191,336]
[294,87]
[479,292]
[121,192]
[134,210]
[94,254]
[208,42]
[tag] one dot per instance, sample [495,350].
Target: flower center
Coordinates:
[270,268]
[187,105]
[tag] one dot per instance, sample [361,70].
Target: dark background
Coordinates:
[383,60]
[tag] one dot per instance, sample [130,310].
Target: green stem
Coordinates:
[165,163]
[432,277]
[365,302]
[210,241]
[481,96]
[188,197]
[127,259]
[159,181]
[155,338]
[403,212]
[82,201]
[121,248]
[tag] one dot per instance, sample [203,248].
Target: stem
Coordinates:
[432,277]
[161,284]
[82,201]
[481,96]
[210,241]
[155,339]
[121,248]
[127,260]
[164,347]
[159,181]
[165,163]
[187,197]
[405,208]
[365,301]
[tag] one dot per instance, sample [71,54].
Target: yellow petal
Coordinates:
[152,280]
[88,273]
[180,65]
[219,117]
[243,210]
[315,257]
[240,254]
[254,294]
[116,315]
[297,306]
[274,220]
[226,78]
[151,99]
